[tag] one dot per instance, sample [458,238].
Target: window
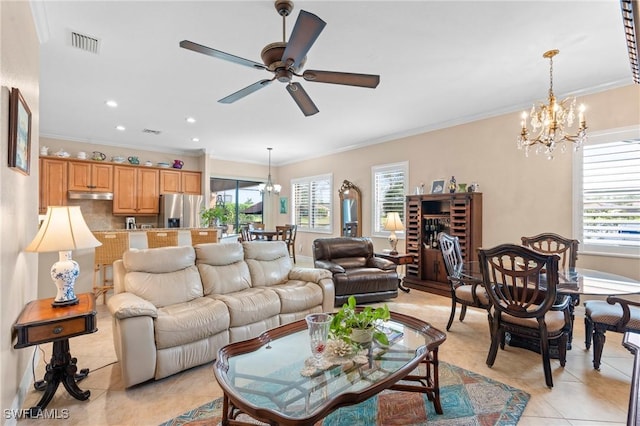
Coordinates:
[242,200]
[311,207]
[389,183]
[608,219]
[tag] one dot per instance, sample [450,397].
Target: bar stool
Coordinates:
[201,236]
[114,244]
[157,239]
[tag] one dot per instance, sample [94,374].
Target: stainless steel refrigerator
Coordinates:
[180,210]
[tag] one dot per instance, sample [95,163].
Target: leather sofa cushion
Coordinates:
[222,268]
[250,305]
[269,262]
[166,288]
[365,280]
[296,296]
[351,262]
[341,247]
[188,322]
[158,261]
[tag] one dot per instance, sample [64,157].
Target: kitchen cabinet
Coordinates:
[458,214]
[90,176]
[53,183]
[135,191]
[182,182]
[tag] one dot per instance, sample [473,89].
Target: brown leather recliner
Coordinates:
[356,271]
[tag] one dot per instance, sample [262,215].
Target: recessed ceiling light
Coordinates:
[121,128]
[195,139]
[111,103]
[190,120]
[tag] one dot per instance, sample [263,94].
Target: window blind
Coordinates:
[312,203]
[389,185]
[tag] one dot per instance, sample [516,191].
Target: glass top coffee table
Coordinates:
[262,377]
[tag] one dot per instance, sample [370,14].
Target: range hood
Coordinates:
[82,195]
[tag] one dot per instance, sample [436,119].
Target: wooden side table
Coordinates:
[38,323]
[398,259]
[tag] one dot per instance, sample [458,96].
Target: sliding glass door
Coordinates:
[242,199]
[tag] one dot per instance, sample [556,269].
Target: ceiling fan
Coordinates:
[285,59]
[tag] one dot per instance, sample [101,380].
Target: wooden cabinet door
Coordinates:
[148,197]
[191,183]
[124,190]
[102,177]
[170,181]
[79,176]
[433,267]
[53,183]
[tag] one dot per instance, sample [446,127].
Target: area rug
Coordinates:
[467,398]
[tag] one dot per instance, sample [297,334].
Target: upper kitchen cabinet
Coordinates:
[135,191]
[53,183]
[88,176]
[181,182]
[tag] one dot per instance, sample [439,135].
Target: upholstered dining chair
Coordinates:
[522,288]
[465,290]
[616,314]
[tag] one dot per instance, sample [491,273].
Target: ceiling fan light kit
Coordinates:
[285,59]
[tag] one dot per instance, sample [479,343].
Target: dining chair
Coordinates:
[351,229]
[292,242]
[162,238]
[245,234]
[465,290]
[614,314]
[522,288]
[114,244]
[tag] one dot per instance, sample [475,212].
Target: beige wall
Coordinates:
[521,196]
[19,67]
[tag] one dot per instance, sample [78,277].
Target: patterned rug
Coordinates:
[467,398]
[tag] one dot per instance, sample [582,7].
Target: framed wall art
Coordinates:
[19,132]
[284,203]
[437,186]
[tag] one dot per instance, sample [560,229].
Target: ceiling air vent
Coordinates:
[151,131]
[84,42]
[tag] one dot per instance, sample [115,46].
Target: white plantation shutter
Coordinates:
[389,184]
[611,196]
[312,203]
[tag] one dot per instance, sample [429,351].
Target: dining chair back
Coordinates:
[522,287]
[615,314]
[550,243]
[157,239]
[351,229]
[465,290]
[114,244]
[245,234]
[287,233]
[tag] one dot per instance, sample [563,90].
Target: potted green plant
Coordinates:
[359,326]
[218,215]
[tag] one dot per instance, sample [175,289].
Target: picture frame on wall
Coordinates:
[19,133]
[437,186]
[284,204]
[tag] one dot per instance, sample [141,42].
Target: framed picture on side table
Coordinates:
[19,133]
[437,186]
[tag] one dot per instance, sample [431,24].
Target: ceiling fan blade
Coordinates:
[244,92]
[346,78]
[305,32]
[303,100]
[220,55]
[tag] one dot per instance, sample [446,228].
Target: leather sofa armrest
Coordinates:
[314,275]
[128,305]
[380,263]
[331,266]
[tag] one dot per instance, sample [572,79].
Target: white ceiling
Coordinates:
[440,63]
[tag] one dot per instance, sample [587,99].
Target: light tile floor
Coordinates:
[581,395]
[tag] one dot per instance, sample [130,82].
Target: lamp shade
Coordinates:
[393,223]
[63,229]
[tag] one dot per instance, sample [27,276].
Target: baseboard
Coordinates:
[11,416]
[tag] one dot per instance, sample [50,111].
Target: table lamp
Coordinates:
[63,230]
[393,224]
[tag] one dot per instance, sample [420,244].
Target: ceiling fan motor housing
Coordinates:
[272,57]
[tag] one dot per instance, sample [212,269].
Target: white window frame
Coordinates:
[613,135]
[376,225]
[310,180]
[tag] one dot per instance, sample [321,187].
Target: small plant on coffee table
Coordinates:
[348,318]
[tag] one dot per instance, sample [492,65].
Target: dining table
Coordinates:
[573,282]
[263,234]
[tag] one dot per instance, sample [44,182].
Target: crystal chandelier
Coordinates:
[551,123]
[269,187]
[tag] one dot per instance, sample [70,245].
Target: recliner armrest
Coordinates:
[380,263]
[314,275]
[331,266]
[128,305]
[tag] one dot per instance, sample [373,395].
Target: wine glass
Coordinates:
[318,325]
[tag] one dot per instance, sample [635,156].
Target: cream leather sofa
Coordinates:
[174,307]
